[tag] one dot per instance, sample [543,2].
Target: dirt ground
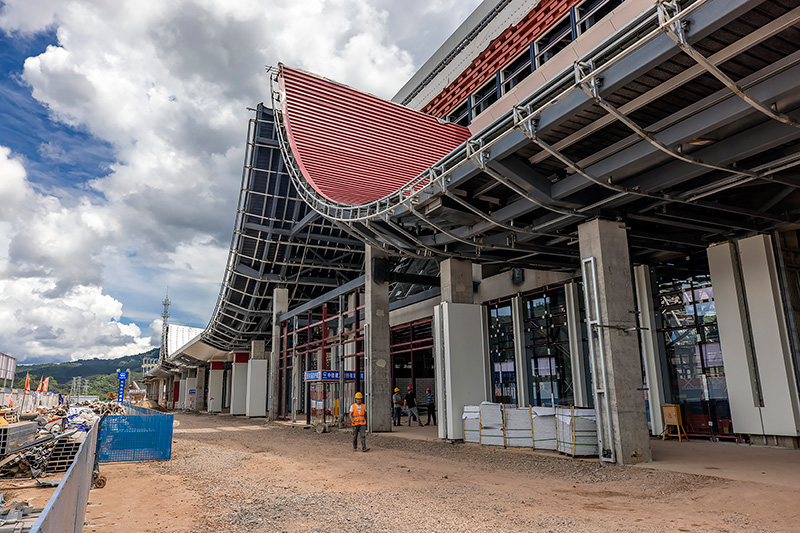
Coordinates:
[234,474]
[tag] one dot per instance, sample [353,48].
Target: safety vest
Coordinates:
[357,414]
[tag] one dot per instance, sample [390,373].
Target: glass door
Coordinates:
[501,352]
[686,321]
[547,351]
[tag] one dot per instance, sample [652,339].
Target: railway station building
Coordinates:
[572,202]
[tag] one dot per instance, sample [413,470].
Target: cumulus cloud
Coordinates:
[13,185]
[167,86]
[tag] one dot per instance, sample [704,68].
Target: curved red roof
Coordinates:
[354,148]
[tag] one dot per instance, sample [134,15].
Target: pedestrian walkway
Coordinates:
[741,462]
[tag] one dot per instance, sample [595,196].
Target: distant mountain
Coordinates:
[101,373]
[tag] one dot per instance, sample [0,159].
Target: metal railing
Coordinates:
[436,178]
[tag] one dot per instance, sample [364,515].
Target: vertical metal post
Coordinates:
[605,439]
[340,358]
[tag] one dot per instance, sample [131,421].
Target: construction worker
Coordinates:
[410,403]
[397,407]
[358,418]
[431,407]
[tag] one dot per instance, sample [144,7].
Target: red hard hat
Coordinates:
[428,388]
[409,387]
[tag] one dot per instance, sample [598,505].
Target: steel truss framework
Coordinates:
[278,241]
[684,125]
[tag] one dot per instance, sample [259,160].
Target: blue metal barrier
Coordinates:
[140,435]
[66,509]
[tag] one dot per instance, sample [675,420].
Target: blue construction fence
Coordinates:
[139,435]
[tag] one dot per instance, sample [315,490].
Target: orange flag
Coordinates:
[27,382]
[46,384]
[39,388]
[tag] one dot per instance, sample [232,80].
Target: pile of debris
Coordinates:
[101,408]
[49,443]
[17,515]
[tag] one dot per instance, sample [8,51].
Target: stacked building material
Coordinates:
[544,428]
[519,429]
[577,431]
[63,455]
[492,425]
[471,416]
[12,435]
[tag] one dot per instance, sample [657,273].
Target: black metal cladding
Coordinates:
[277,242]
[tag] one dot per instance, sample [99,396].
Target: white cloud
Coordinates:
[167,85]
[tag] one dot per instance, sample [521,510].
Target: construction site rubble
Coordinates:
[49,443]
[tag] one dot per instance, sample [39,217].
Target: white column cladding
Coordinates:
[280,304]
[182,391]
[606,242]
[191,390]
[759,371]
[520,359]
[257,367]
[239,383]
[462,363]
[215,377]
[651,358]
[580,381]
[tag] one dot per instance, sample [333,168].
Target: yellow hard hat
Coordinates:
[359,395]
[396,389]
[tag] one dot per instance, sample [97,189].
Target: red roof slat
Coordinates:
[355,148]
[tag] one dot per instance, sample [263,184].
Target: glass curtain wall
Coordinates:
[412,357]
[686,322]
[501,352]
[547,351]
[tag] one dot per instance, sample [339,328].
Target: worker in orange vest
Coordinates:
[358,417]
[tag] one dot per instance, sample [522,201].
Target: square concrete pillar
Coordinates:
[456,281]
[377,365]
[215,377]
[617,363]
[257,367]
[239,383]
[280,304]
[201,388]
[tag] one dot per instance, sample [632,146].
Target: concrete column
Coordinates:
[257,366]
[215,377]
[201,388]
[607,243]
[653,365]
[191,390]
[580,381]
[239,383]
[280,304]
[456,281]
[377,366]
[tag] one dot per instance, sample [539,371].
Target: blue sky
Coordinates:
[121,145]
[57,156]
